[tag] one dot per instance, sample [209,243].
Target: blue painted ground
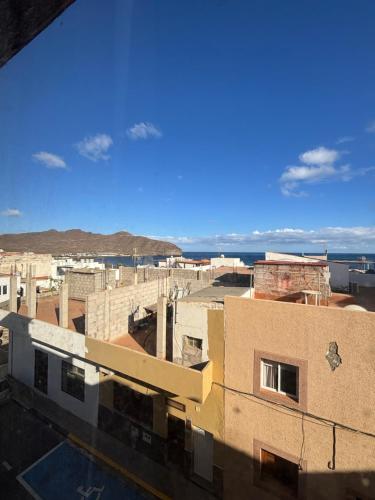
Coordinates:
[67,473]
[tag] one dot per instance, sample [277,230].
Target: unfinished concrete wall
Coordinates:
[40,264]
[273,280]
[109,312]
[330,464]
[191,320]
[180,277]
[83,282]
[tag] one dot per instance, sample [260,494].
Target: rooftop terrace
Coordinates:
[47,309]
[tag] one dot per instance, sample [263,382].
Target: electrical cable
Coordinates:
[325,422]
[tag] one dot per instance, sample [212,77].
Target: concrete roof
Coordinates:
[215,293]
[289,263]
[86,270]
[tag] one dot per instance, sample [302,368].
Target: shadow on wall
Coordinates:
[129,418]
[232,279]
[265,475]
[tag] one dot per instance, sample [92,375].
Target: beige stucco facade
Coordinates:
[330,438]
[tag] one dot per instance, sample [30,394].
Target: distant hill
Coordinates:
[76,241]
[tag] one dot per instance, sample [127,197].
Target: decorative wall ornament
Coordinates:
[332,356]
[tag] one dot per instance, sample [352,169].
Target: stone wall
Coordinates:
[109,312]
[283,280]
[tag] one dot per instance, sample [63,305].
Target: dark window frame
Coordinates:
[277,487]
[73,380]
[134,405]
[40,382]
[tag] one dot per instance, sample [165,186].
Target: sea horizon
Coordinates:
[247,257]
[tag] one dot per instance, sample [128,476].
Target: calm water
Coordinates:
[247,257]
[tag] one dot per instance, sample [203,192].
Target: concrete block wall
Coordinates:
[153,273]
[281,280]
[109,312]
[81,284]
[110,277]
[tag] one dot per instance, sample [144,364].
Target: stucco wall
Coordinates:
[339,276]
[342,396]
[308,440]
[362,279]
[60,344]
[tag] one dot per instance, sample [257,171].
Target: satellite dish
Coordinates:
[355,307]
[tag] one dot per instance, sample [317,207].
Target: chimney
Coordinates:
[64,305]
[161,327]
[13,305]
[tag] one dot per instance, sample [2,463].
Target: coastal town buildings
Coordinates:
[246,391]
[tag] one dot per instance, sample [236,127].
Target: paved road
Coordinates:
[37,461]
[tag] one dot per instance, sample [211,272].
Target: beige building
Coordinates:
[259,399]
[39,264]
[299,404]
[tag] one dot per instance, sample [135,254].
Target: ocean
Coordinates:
[247,257]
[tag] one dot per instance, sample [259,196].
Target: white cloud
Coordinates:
[143,130]
[319,156]
[95,147]
[345,138]
[11,212]
[49,160]
[355,238]
[318,167]
[371,127]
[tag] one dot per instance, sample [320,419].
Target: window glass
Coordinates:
[193,342]
[5,289]
[270,375]
[288,379]
[279,377]
[279,472]
[133,404]
[41,371]
[73,380]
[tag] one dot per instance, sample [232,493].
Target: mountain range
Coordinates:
[76,241]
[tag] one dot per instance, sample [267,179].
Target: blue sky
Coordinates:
[223,125]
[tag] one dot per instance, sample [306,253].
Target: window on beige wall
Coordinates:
[279,377]
[279,472]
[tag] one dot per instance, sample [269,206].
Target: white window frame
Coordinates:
[279,365]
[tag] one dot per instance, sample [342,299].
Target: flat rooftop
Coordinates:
[365,298]
[289,263]
[47,309]
[86,270]
[216,293]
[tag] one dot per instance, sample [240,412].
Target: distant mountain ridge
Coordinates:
[76,241]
